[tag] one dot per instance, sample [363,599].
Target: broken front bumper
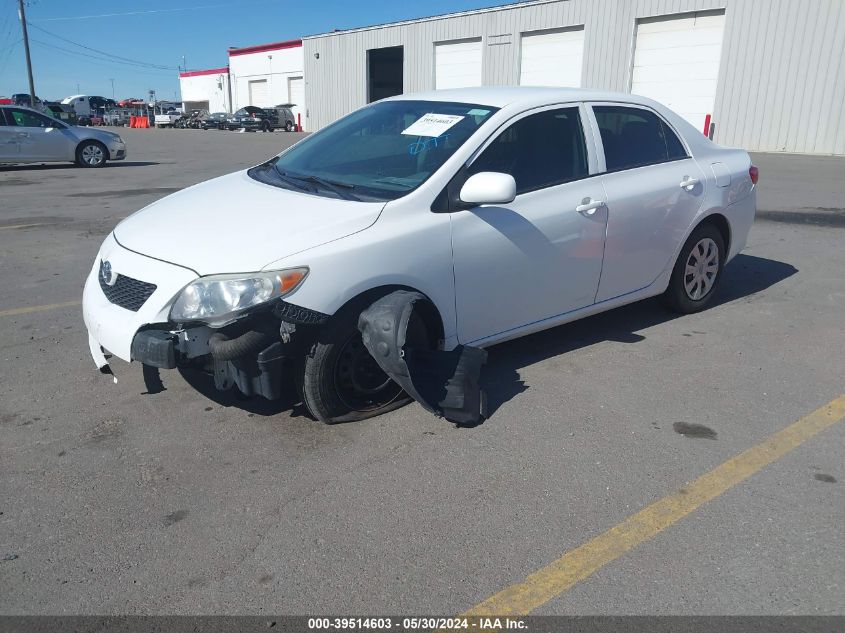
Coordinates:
[110,325]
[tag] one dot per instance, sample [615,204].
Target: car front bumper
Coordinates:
[117,150]
[112,327]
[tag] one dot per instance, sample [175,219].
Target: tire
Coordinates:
[289,127]
[340,382]
[91,154]
[697,271]
[266,127]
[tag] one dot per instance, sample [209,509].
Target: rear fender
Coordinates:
[445,383]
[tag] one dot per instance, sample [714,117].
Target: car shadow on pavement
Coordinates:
[746,275]
[53,166]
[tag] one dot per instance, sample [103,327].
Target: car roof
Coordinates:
[501,96]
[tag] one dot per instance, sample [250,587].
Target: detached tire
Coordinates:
[266,127]
[91,154]
[697,271]
[288,127]
[340,381]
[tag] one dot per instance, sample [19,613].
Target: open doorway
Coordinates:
[384,72]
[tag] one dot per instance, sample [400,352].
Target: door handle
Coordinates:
[688,183]
[589,206]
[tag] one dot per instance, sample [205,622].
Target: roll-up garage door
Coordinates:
[258,94]
[296,95]
[676,62]
[457,64]
[552,58]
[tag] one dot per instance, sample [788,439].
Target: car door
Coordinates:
[9,140]
[41,138]
[538,256]
[654,190]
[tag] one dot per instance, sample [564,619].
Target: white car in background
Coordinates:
[374,260]
[27,136]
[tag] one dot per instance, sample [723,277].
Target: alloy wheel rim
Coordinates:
[701,269]
[92,155]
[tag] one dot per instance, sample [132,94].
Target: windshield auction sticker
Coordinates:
[432,124]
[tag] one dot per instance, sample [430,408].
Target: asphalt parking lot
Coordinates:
[117,500]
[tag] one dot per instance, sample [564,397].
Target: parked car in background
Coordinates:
[374,260]
[27,136]
[167,119]
[6,101]
[23,99]
[253,118]
[215,121]
[61,112]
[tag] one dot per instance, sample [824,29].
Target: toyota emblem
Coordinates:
[106,273]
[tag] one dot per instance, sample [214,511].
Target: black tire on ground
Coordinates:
[266,127]
[91,154]
[692,289]
[340,382]
[289,127]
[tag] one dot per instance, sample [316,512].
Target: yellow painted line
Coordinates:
[49,306]
[578,564]
[19,226]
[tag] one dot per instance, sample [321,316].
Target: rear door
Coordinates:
[40,137]
[654,190]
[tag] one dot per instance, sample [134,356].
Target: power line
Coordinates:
[111,56]
[112,15]
[103,60]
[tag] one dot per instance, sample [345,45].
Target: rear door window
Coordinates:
[540,150]
[27,118]
[634,137]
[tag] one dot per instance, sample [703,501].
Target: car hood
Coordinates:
[237,224]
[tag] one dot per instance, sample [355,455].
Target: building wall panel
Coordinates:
[781,79]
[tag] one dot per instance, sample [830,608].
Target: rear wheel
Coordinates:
[266,127]
[91,154]
[340,381]
[697,271]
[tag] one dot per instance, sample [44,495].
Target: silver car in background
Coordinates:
[28,136]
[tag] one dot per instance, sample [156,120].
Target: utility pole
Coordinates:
[22,15]
[112,89]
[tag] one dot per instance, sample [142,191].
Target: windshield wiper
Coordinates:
[340,188]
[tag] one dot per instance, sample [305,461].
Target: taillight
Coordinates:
[754,173]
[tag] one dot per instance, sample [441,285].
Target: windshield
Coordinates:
[380,152]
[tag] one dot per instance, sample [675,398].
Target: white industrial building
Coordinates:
[263,75]
[268,75]
[769,73]
[206,90]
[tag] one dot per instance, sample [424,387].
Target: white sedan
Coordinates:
[373,261]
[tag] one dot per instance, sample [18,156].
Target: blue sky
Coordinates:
[160,33]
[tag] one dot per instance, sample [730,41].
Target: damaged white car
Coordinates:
[374,260]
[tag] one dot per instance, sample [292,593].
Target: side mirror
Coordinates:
[489,187]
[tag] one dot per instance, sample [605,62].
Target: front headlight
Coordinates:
[219,298]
